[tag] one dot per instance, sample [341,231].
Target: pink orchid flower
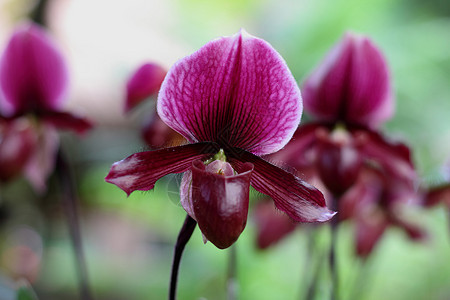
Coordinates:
[233,100]
[33,84]
[349,95]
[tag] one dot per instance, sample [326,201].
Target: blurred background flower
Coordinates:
[129,241]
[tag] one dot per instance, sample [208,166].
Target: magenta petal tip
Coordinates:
[144,83]
[117,177]
[141,170]
[325,214]
[299,200]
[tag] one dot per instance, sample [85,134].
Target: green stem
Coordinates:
[70,207]
[363,278]
[332,254]
[448,220]
[183,237]
[232,285]
[311,266]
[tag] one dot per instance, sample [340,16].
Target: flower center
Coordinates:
[218,164]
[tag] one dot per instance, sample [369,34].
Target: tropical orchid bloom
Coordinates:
[349,95]
[373,191]
[233,100]
[33,84]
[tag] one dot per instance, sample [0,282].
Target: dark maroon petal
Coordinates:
[393,158]
[65,120]
[140,171]
[364,195]
[157,134]
[338,160]
[414,232]
[369,230]
[438,195]
[298,199]
[271,224]
[33,74]
[299,152]
[145,82]
[236,91]
[220,203]
[351,85]
[17,142]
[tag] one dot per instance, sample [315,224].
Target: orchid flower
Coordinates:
[233,100]
[368,175]
[33,84]
[350,95]
[364,174]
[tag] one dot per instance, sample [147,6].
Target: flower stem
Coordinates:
[38,14]
[309,264]
[333,264]
[448,221]
[231,274]
[183,237]
[69,204]
[363,278]
[332,254]
[313,265]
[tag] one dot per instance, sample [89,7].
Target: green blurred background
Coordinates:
[129,241]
